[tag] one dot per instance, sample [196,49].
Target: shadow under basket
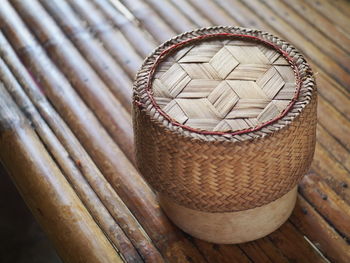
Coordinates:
[225,126]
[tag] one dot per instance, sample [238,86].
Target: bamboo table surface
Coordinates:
[66,71]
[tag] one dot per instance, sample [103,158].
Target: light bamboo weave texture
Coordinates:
[225,85]
[224,172]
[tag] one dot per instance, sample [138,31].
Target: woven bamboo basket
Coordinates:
[225,123]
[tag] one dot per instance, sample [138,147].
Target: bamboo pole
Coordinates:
[190,11]
[149,19]
[113,40]
[255,253]
[172,15]
[339,152]
[328,64]
[328,10]
[338,125]
[90,47]
[343,6]
[335,95]
[214,13]
[327,202]
[221,253]
[325,44]
[323,24]
[293,244]
[84,79]
[77,153]
[313,225]
[134,32]
[112,74]
[47,193]
[71,170]
[274,254]
[111,161]
[332,172]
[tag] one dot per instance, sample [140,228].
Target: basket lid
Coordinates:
[224,84]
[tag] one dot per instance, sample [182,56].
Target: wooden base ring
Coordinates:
[231,227]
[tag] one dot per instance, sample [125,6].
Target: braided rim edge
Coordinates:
[143,98]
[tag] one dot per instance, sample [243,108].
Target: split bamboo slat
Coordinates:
[99,185]
[339,17]
[69,168]
[308,14]
[148,18]
[66,69]
[51,198]
[130,28]
[114,165]
[122,50]
[84,79]
[111,73]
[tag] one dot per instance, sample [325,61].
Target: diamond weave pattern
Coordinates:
[224,86]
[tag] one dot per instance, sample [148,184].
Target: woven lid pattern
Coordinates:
[225,85]
[224,170]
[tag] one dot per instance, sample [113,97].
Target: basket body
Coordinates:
[226,176]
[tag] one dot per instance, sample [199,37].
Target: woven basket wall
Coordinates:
[234,158]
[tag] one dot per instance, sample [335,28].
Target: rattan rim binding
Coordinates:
[304,80]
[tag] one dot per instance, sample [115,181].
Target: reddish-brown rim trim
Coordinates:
[185,42]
